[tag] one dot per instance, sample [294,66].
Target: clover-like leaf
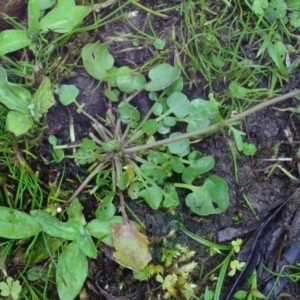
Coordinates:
[211,198]
[10,288]
[235,265]
[203,113]
[179,104]
[259,6]
[132,247]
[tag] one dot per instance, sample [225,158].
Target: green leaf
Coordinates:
[177,165]
[74,211]
[276,59]
[85,243]
[169,121]
[293,4]
[280,48]
[257,294]
[18,123]
[33,16]
[68,94]
[179,104]
[97,60]
[128,112]
[39,251]
[102,229]
[12,40]
[238,137]
[112,95]
[127,81]
[106,209]
[188,175]
[249,149]
[150,127]
[58,155]
[153,196]
[12,95]
[157,109]
[203,164]
[159,44]
[64,19]
[42,99]
[72,271]
[45,4]
[142,275]
[211,198]
[178,146]
[53,227]
[171,198]
[134,190]
[295,19]
[203,113]
[161,77]
[17,225]
[259,6]
[237,91]
[131,245]
[176,86]
[240,294]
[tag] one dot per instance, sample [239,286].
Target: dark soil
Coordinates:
[265,129]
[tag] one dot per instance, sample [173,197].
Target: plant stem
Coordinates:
[214,127]
[87,180]
[150,11]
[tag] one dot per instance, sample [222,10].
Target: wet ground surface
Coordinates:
[265,129]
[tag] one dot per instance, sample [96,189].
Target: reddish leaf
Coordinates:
[131,245]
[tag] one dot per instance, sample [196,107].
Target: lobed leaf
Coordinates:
[211,198]
[179,104]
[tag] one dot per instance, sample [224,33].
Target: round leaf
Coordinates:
[179,104]
[178,146]
[161,77]
[68,94]
[97,60]
[127,81]
[153,196]
[211,198]
[18,123]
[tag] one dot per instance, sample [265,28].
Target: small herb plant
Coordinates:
[10,288]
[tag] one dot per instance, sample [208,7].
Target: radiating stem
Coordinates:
[214,127]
